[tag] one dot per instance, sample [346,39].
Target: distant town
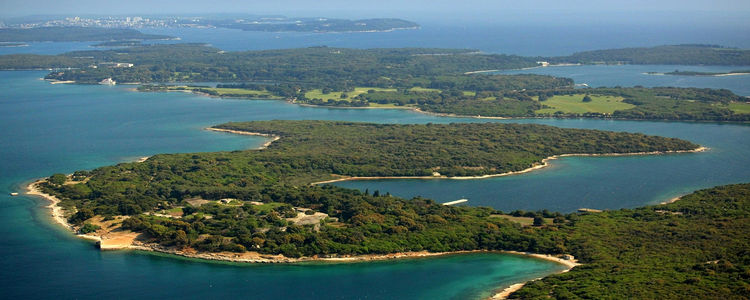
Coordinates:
[247,23]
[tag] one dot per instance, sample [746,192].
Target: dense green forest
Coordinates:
[74,34]
[695,248]
[318,67]
[688,54]
[278,178]
[432,80]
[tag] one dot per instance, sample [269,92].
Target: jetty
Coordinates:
[456,202]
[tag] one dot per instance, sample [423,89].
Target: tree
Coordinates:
[538,221]
[586,98]
[58,179]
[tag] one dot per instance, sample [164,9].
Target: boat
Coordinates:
[107,81]
[14,194]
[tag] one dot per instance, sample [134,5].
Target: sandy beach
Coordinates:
[264,146]
[504,293]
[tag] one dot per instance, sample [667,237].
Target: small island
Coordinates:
[11,44]
[695,73]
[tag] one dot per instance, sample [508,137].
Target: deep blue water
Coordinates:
[521,38]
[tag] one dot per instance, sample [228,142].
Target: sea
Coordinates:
[63,128]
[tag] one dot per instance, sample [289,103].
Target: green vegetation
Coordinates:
[315,68]
[74,34]
[573,104]
[695,248]
[219,92]
[740,107]
[432,80]
[328,95]
[662,55]
[118,44]
[279,178]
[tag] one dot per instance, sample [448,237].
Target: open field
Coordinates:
[318,93]
[524,221]
[423,90]
[740,107]
[573,104]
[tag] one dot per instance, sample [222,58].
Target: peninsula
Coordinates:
[258,206]
[74,34]
[427,80]
[263,201]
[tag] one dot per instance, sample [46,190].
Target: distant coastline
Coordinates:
[700,74]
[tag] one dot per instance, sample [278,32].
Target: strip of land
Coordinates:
[541,165]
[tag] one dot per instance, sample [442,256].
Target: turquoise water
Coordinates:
[62,128]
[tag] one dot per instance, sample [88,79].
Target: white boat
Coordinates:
[14,194]
[107,81]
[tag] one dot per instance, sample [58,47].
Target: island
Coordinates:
[269,205]
[685,54]
[319,25]
[123,43]
[74,34]
[427,80]
[11,45]
[696,73]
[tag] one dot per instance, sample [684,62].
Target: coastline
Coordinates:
[255,257]
[544,163]
[698,75]
[264,146]
[449,115]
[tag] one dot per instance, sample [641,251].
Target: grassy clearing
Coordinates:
[230,92]
[267,207]
[574,104]
[524,221]
[423,90]
[740,107]
[318,93]
[390,105]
